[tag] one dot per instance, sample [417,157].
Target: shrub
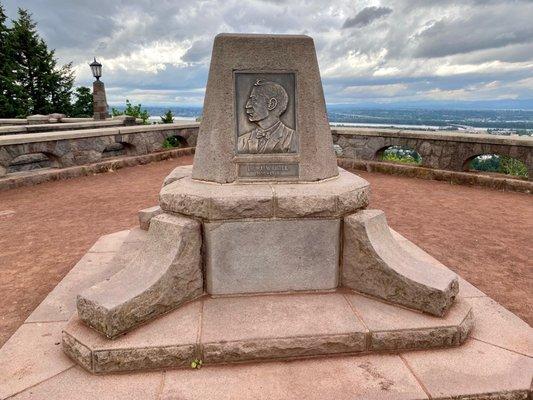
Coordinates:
[134,111]
[167,118]
[401,155]
[512,166]
[501,164]
[171,142]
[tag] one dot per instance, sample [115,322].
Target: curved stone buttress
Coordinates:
[374,263]
[166,273]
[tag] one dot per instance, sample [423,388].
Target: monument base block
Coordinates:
[274,255]
[266,327]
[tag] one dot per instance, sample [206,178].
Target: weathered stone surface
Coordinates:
[257,350]
[466,289]
[450,151]
[177,173]
[338,196]
[167,342]
[77,351]
[30,356]
[61,302]
[500,327]
[109,243]
[375,264]
[38,119]
[165,273]
[395,328]
[271,255]
[66,145]
[94,267]
[100,107]
[271,326]
[146,215]
[272,58]
[475,370]
[81,385]
[376,377]
[285,326]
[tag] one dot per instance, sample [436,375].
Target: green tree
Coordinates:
[168,117]
[83,104]
[8,88]
[42,86]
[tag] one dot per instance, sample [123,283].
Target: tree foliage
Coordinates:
[83,104]
[31,81]
[134,111]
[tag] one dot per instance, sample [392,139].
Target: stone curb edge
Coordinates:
[48,175]
[454,177]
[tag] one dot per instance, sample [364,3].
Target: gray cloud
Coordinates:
[483,30]
[158,51]
[199,51]
[366,16]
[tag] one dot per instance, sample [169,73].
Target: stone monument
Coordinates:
[263,210]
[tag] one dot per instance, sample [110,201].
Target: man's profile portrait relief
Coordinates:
[266,103]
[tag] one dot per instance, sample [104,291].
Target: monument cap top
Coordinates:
[264,113]
[261,36]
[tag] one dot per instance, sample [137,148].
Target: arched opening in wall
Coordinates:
[497,164]
[175,141]
[399,154]
[28,162]
[117,149]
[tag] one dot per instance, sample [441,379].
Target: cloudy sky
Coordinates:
[389,51]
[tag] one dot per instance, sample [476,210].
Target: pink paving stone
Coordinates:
[472,369]
[497,325]
[466,289]
[61,302]
[271,316]
[109,243]
[380,316]
[77,384]
[30,356]
[377,377]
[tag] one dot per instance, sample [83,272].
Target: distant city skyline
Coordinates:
[371,53]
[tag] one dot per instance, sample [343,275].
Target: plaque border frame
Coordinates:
[272,158]
[235,125]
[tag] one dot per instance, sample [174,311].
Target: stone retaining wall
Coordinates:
[440,150]
[81,147]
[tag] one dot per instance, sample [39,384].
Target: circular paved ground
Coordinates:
[482,234]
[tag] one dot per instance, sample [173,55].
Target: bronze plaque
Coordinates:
[268,170]
[265,113]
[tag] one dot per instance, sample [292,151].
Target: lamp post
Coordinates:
[100,108]
[96,69]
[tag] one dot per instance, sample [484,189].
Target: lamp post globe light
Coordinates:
[96,69]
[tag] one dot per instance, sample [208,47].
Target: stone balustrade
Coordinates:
[445,150]
[67,125]
[43,119]
[62,149]
[439,150]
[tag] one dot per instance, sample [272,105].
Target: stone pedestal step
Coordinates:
[267,327]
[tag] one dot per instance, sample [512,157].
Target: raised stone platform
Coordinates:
[267,327]
[330,198]
[495,362]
